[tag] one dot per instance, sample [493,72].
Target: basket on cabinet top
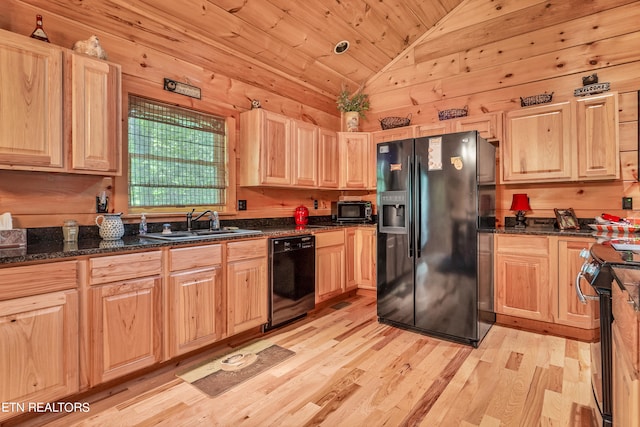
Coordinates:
[453,113]
[395,122]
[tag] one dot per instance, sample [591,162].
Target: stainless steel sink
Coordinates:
[178,236]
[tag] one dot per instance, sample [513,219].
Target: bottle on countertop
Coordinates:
[142,229]
[39,33]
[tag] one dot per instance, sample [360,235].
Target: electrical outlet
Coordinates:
[627,203]
[315,204]
[242,205]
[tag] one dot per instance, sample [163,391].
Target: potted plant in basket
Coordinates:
[353,107]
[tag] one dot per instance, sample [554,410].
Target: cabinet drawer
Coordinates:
[29,280]
[122,267]
[246,249]
[529,245]
[199,256]
[626,320]
[329,238]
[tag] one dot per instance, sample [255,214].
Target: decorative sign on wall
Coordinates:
[181,88]
[590,86]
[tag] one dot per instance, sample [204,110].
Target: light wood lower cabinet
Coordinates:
[124,314]
[522,287]
[535,279]
[125,327]
[247,286]
[39,342]
[626,385]
[197,308]
[571,311]
[361,255]
[626,360]
[330,265]
[39,328]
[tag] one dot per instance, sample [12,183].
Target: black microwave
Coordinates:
[351,211]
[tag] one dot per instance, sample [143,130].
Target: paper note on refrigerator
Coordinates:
[435,154]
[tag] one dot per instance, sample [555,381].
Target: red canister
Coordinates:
[301,215]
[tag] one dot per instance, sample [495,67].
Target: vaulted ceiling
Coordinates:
[284,46]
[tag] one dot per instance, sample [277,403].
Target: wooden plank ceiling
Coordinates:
[270,44]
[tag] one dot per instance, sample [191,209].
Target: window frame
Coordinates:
[120,188]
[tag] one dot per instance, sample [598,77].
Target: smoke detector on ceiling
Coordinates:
[341,47]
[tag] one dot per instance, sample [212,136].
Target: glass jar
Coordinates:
[70,230]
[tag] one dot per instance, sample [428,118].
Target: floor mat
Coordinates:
[341,304]
[218,375]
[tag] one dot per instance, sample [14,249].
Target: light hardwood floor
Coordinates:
[349,370]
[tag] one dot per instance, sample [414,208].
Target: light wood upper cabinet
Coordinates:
[355,161]
[538,144]
[39,341]
[265,149]
[597,135]
[489,125]
[31,134]
[247,285]
[395,134]
[575,140]
[95,107]
[305,154]
[328,164]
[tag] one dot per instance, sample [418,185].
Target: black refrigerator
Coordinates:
[436,217]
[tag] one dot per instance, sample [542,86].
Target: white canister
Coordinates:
[111,226]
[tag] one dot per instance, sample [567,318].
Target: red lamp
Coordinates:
[520,203]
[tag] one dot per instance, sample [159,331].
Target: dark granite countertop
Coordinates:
[42,249]
[546,230]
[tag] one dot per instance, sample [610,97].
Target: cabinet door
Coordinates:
[626,385]
[247,294]
[489,126]
[330,272]
[432,129]
[39,341]
[538,145]
[522,277]
[597,136]
[355,157]
[351,258]
[275,150]
[329,166]
[95,115]
[572,312]
[125,327]
[305,157]
[31,133]
[392,134]
[197,310]
[366,257]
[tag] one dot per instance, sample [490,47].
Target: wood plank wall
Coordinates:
[484,55]
[45,199]
[487,55]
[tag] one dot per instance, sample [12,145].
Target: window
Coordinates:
[177,157]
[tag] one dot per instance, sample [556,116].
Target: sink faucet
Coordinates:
[214,222]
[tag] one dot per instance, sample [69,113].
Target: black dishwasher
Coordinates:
[292,278]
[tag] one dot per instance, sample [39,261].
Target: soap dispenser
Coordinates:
[142,230]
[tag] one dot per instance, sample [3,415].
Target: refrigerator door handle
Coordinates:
[416,177]
[409,212]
